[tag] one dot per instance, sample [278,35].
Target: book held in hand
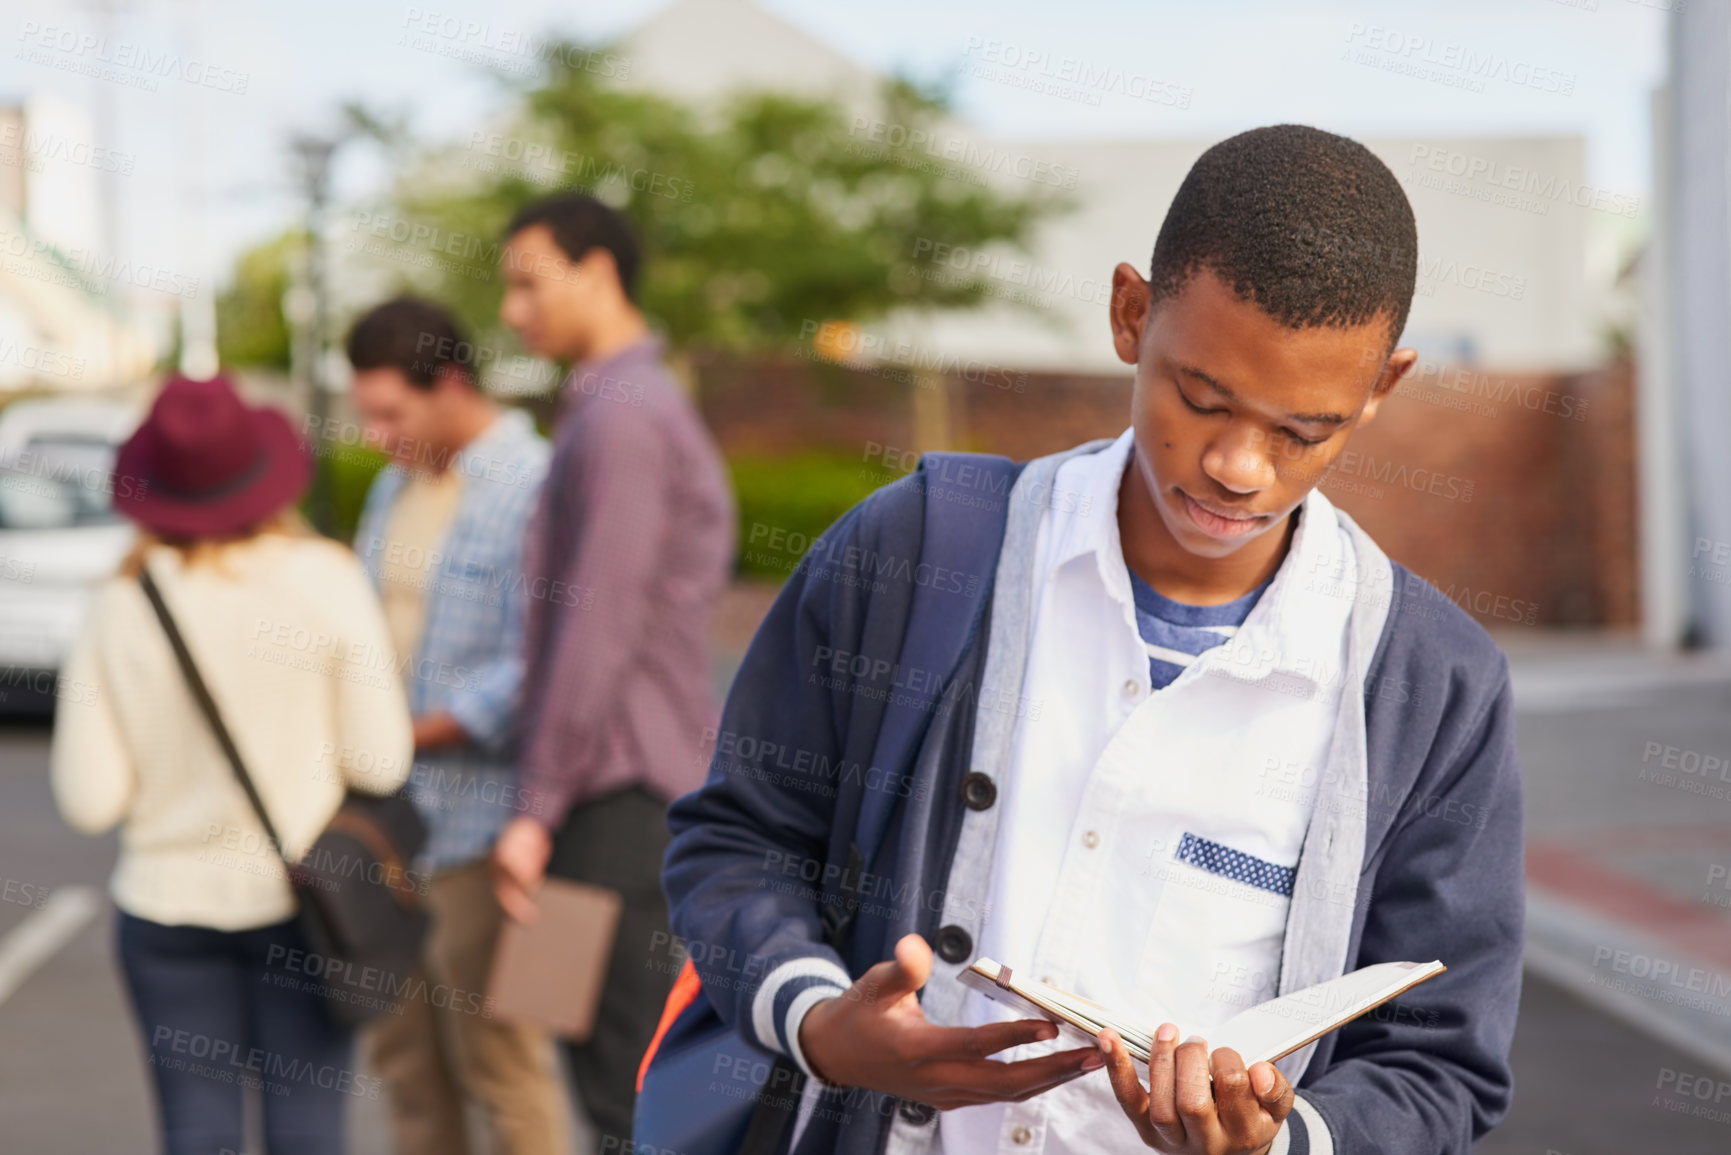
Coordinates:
[1263,1033]
[551,971]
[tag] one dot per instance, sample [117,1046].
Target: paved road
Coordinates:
[71,1079]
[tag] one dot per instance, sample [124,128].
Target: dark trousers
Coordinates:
[217,1021]
[617,841]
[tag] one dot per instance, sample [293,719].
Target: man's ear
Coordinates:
[1397,365]
[1128,312]
[454,379]
[598,268]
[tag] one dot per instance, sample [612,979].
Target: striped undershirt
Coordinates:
[1175,633]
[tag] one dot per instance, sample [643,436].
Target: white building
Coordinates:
[65,323]
[1516,251]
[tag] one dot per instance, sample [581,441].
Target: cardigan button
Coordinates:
[979,791]
[954,944]
[919,1114]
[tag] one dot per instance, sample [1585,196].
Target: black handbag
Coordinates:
[360,905]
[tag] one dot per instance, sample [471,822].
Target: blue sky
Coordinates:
[1584,67]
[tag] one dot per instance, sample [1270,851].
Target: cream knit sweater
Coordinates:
[288,634]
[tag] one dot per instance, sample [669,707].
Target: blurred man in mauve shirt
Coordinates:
[628,552]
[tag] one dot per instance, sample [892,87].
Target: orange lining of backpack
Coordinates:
[686,989]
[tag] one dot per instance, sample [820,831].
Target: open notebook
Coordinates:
[1262,1033]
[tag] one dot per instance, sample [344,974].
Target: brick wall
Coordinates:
[1513,493]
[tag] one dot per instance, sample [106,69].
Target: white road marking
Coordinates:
[43,932]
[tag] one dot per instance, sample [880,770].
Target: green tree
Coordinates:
[250,327]
[758,218]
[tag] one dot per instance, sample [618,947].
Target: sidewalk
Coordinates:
[1626,757]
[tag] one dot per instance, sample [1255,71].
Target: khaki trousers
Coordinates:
[442,1051]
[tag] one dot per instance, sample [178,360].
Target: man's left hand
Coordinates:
[1180,1111]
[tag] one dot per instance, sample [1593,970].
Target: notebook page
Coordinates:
[1276,1028]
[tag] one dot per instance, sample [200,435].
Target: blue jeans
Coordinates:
[221,1014]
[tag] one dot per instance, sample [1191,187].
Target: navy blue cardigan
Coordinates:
[761,850]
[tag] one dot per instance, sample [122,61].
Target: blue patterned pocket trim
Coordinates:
[1236,865]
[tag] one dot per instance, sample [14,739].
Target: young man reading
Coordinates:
[442,536]
[1206,746]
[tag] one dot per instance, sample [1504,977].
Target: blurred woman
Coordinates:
[288,636]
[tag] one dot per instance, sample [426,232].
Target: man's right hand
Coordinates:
[875,1036]
[519,866]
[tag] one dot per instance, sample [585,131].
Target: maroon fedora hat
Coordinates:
[206,464]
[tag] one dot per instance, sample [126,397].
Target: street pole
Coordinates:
[314,154]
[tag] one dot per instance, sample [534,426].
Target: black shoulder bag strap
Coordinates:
[207,705]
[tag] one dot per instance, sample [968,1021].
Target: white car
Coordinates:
[59,535]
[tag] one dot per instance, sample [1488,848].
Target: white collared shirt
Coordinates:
[1095,886]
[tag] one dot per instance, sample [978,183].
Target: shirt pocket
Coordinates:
[1221,859]
[1214,945]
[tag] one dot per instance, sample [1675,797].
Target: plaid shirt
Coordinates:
[470,661]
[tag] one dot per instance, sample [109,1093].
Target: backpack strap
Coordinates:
[966,509]
[967,498]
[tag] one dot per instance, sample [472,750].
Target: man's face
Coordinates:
[550,300]
[405,422]
[1236,416]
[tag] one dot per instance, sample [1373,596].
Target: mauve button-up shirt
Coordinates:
[628,552]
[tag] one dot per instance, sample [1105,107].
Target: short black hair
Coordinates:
[580,223]
[1309,226]
[415,336]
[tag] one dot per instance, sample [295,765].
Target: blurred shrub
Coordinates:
[349,472]
[786,502]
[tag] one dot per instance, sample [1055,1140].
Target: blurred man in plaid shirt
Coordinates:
[630,551]
[442,535]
